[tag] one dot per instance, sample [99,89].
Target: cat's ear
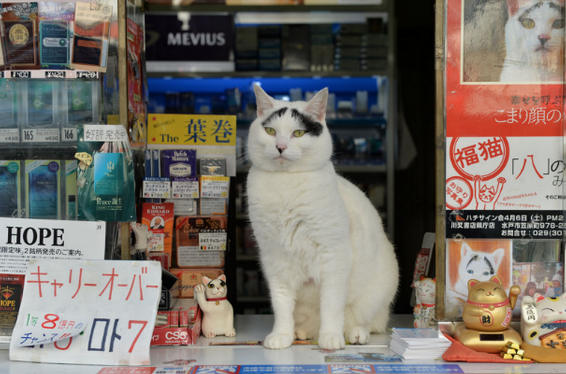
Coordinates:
[465,249]
[496,279]
[222,278]
[497,257]
[264,102]
[206,280]
[538,297]
[472,283]
[317,105]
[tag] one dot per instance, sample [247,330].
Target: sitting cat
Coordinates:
[534,38]
[541,315]
[218,314]
[330,268]
[423,312]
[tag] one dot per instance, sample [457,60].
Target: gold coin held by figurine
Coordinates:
[19,35]
[218,302]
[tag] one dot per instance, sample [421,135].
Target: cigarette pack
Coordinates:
[191,277]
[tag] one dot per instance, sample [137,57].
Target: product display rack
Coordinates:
[382,174]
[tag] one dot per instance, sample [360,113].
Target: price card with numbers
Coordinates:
[214,186]
[114,303]
[9,136]
[185,188]
[69,134]
[47,135]
[212,241]
[156,187]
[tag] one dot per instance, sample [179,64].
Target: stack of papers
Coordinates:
[419,344]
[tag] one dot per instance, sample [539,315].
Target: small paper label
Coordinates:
[40,136]
[156,187]
[69,134]
[194,257]
[105,133]
[21,74]
[55,74]
[185,188]
[212,241]
[214,187]
[156,243]
[184,207]
[9,136]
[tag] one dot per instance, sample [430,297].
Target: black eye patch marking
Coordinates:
[278,113]
[311,127]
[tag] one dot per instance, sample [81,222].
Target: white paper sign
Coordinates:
[185,188]
[214,186]
[156,187]
[24,239]
[105,133]
[212,241]
[116,300]
[55,327]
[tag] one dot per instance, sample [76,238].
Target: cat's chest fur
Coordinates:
[296,211]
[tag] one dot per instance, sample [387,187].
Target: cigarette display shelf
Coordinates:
[266,8]
[268,74]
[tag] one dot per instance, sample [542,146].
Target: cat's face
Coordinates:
[534,33]
[289,136]
[487,194]
[426,291]
[551,309]
[490,291]
[215,288]
[478,265]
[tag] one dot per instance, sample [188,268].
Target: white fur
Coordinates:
[331,270]
[544,310]
[218,316]
[527,60]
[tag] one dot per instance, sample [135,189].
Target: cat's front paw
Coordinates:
[358,335]
[331,341]
[210,335]
[231,333]
[277,341]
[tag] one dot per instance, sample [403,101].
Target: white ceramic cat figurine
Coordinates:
[476,265]
[541,315]
[332,272]
[218,314]
[423,312]
[534,38]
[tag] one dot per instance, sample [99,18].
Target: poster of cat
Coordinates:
[526,43]
[504,119]
[474,259]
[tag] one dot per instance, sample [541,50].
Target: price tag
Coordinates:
[9,136]
[212,241]
[87,74]
[21,74]
[69,134]
[105,133]
[156,187]
[185,188]
[214,186]
[40,135]
[55,74]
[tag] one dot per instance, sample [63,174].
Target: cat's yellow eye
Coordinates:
[558,24]
[270,130]
[210,285]
[298,133]
[528,23]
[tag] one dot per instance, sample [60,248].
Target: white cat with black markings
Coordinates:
[218,314]
[332,272]
[534,41]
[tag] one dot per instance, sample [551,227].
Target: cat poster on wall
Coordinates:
[504,119]
[474,259]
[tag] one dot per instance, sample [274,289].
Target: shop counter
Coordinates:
[244,359]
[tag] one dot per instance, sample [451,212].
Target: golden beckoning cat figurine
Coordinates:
[488,308]
[487,315]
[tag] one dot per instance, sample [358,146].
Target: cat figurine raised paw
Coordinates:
[534,42]
[542,316]
[218,314]
[425,293]
[331,270]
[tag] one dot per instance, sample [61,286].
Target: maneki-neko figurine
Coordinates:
[487,316]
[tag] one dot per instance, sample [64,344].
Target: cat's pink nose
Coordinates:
[281,148]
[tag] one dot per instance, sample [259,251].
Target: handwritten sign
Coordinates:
[24,239]
[117,303]
[105,133]
[214,187]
